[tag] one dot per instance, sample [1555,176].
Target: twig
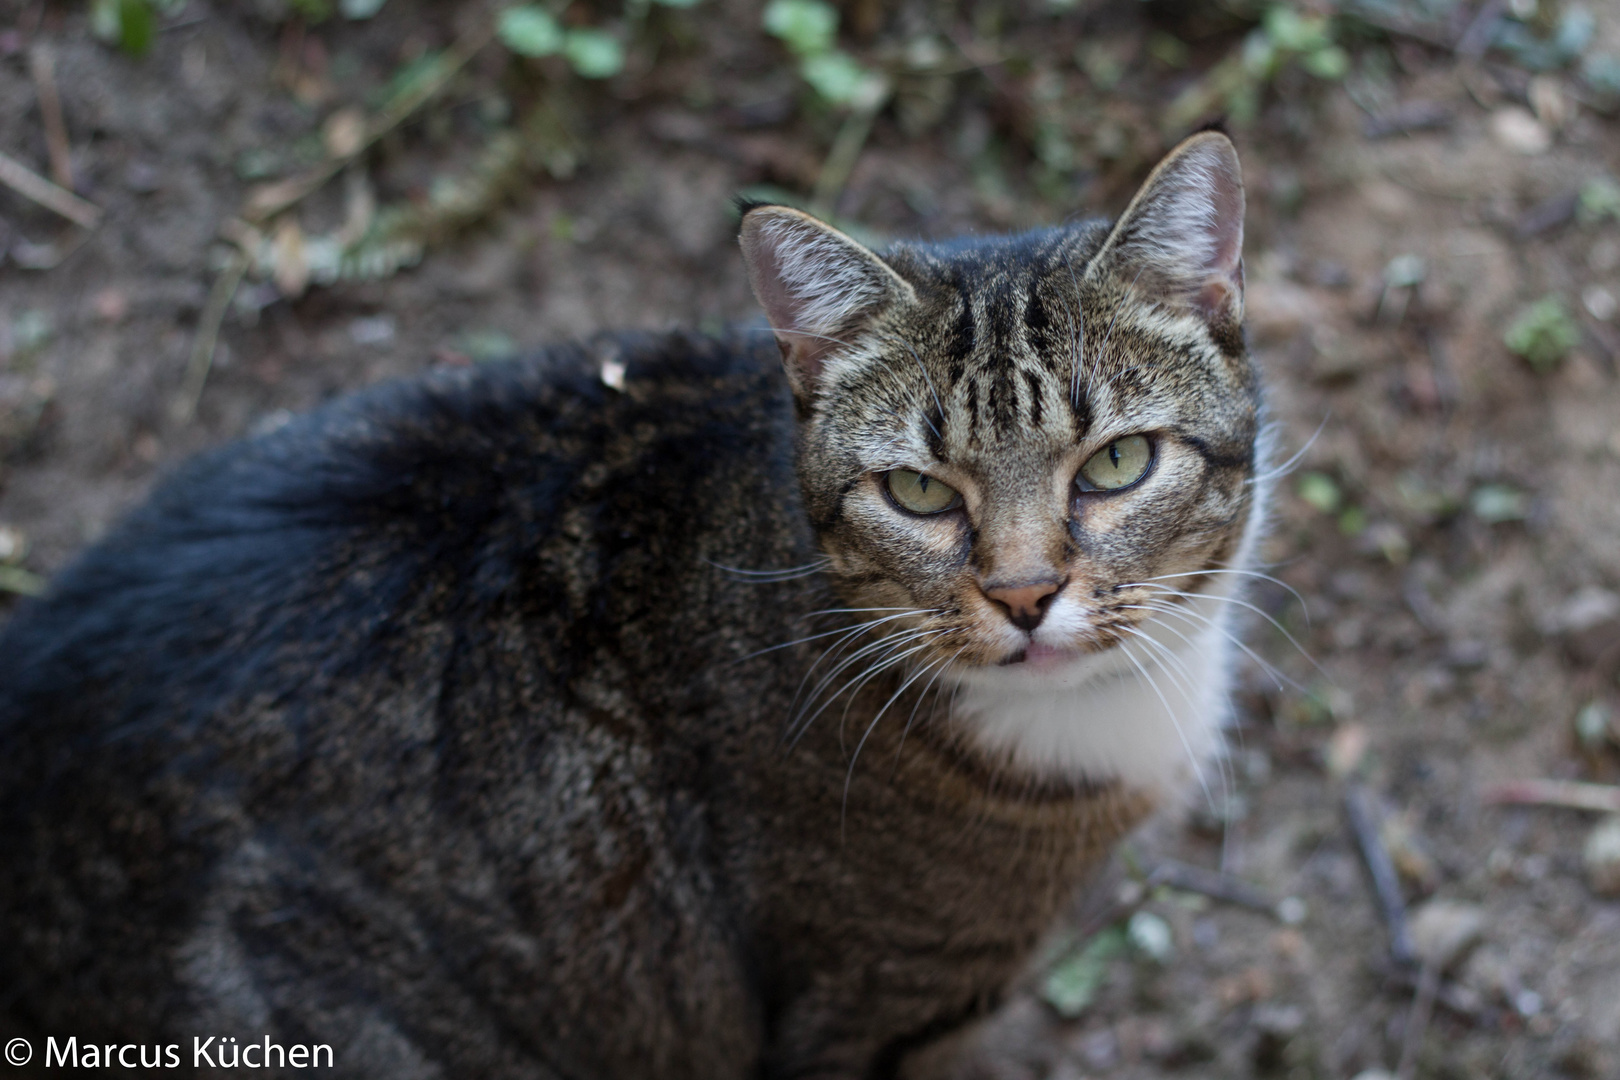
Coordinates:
[43,67]
[846,150]
[271,199]
[1398,27]
[30,185]
[1363,820]
[1417,1020]
[202,348]
[1570,794]
[1210,883]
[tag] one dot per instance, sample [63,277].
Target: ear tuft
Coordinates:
[816,285]
[1181,239]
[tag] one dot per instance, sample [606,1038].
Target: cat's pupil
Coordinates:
[1113,454]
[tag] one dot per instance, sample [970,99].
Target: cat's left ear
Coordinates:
[818,287]
[1181,238]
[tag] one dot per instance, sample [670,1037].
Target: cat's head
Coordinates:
[1008,443]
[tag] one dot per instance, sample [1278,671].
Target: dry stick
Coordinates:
[202,348]
[272,199]
[1211,883]
[846,150]
[1570,794]
[43,66]
[1417,1020]
[30,185]
[1363,820]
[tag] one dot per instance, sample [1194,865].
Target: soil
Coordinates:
[1449,513]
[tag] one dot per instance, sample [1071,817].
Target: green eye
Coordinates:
[921,494]
[1119,464]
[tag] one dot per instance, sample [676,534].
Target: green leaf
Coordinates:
[1331,62]
[136,26]
[104,20]
[1496,503]
[1599,199]
[836,76]
[809,27]
[1167,49]
[313,10]
[529,30]
[595,54]
[17,580]
[1073,982]
[1543,333]
[1319,490]
[360,9]
[1295,32]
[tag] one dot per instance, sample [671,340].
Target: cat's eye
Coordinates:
[1119,464]
[921,493]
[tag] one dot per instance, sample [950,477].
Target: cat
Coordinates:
[633,711]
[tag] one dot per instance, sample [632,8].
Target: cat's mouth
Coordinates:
[1042,657]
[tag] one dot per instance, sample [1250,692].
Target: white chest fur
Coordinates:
[1148,713]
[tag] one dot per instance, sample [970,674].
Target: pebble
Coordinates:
[1443,930]
[1602,857]
[1519,131]
[1599,302]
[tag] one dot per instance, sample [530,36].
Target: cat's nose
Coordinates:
[1025,604]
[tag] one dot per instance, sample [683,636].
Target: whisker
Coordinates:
[1194,618]
[849,776]
[1250,607]
[825,633]
[1118,307]
[769,577]
[806,333]
[840,645]
[855,684]
[1165,651]
[930,381]
[1288,466]
[1077,340]
[1256,574]
[923,696]
[891,643]
[1181,734]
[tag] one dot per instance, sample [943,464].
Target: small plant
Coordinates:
[531,30]
[129,24]
[1543,333]
[1286,38]
[810,29]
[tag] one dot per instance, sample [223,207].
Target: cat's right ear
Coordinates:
[818,287]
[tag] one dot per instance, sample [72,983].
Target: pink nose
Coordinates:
[1025,605]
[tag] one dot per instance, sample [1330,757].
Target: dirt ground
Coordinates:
[1450,514]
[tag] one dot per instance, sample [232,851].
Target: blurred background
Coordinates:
[215,213]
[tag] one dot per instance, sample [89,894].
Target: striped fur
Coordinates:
[999,370]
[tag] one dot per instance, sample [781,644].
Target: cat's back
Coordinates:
[462,480]
[358,657]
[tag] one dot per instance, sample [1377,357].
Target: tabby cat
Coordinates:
[631,711]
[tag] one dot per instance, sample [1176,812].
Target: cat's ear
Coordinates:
[817,286]
[1181,238]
